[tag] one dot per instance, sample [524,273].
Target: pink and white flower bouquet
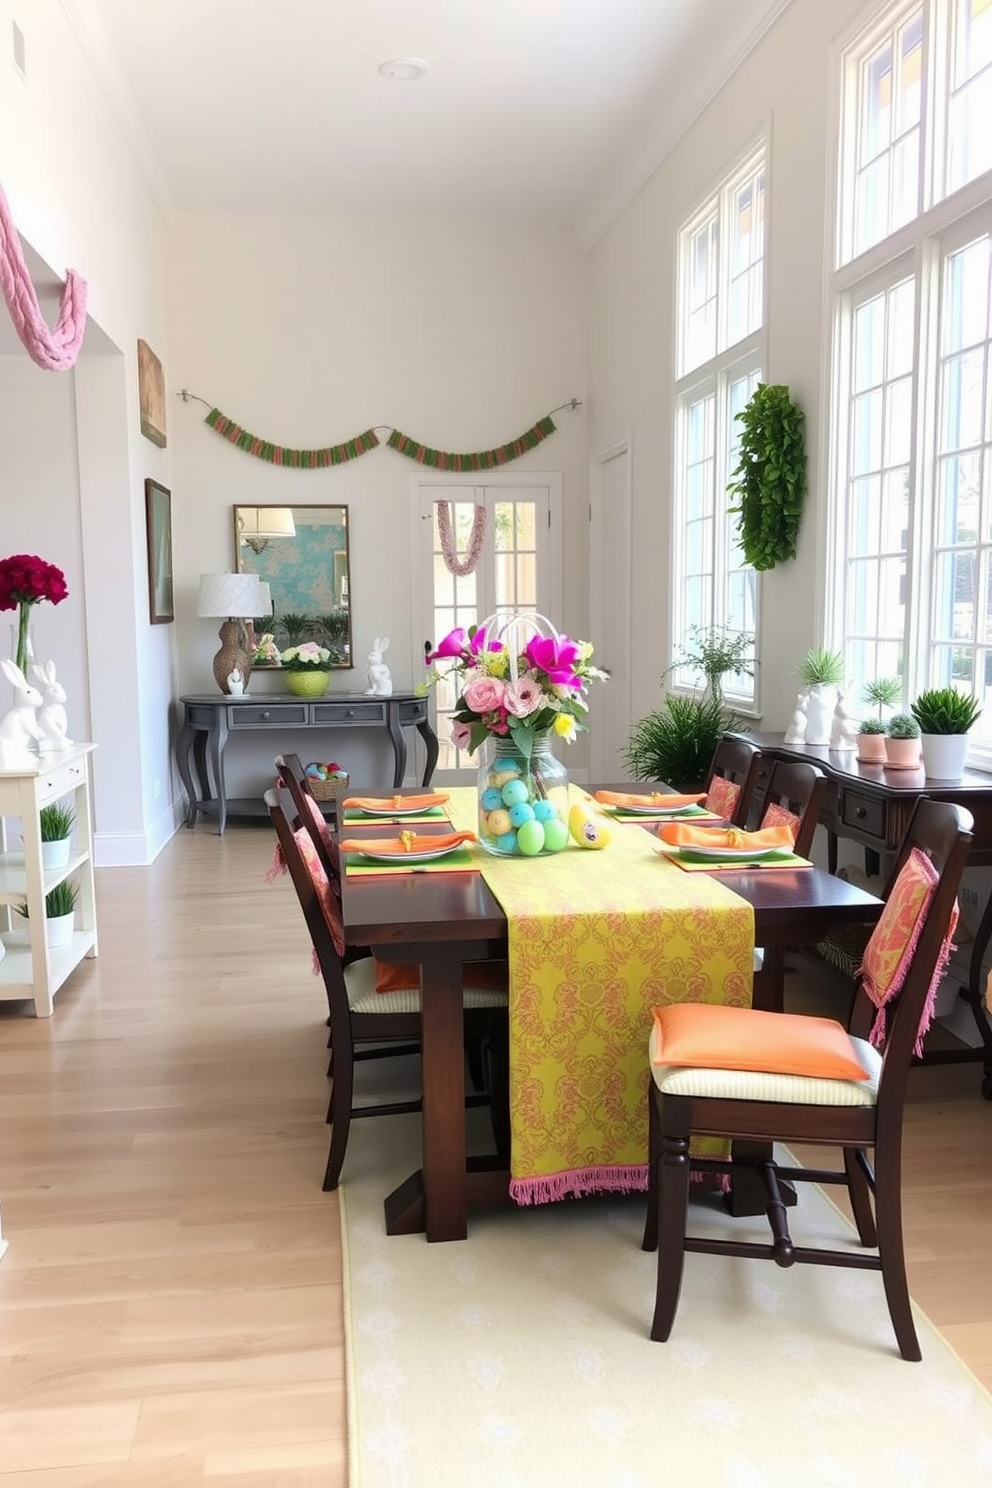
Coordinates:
[516,689]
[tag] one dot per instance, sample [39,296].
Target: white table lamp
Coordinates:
[235,598]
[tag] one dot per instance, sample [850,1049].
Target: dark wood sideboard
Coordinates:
[871,805]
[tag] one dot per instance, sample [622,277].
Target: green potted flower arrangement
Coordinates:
[902,743]
[944,716]
[307,668]
[56,823]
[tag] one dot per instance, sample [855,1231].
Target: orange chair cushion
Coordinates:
[722,797]
[778,815]
[704,1035]
[490,975]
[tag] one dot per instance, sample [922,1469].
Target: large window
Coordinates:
[720,296]
[912,416]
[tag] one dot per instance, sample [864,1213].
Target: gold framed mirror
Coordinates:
[301,552]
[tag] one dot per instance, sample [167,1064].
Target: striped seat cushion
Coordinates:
[359,979]
[757,1085]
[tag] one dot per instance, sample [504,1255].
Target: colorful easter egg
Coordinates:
[499,823]
[530,839]
[555,835]
[522,812]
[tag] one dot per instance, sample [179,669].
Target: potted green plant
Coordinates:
[674,744]
[902,742]
[821,671]
[883,692]
[60,912]
[56,823]
[294,627]
[769,483]
[714,651]
[944,715]
[871,742]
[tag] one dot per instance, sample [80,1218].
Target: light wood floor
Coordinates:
[170,1304]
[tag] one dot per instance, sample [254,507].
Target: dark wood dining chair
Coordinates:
[291,773]
[794,794]
[732,777]
[367,1024]
[706,1083]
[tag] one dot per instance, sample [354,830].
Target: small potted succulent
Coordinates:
[871,742]
[944,715]
[902,742]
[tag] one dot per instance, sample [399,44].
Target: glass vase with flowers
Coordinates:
[521,686]
[25,580]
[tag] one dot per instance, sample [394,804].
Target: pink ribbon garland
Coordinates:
[54,350]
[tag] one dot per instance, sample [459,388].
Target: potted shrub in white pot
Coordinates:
[944,716]
[56,823]
[871,742]
[60,913]
[902,743]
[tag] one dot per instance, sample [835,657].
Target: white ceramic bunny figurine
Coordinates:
[380,682]
[843,733]
[796,732]
[52,718]
[19,727]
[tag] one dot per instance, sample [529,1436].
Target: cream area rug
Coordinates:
[520,1357]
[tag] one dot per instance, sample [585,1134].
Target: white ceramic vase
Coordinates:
[943,755]
[820,705]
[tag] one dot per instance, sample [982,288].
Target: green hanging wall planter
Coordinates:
[770,480]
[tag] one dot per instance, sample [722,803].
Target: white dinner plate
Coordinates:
[733,854]
[393,811]
[420,855]
[648,810]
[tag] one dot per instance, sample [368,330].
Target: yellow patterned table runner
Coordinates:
[596,939]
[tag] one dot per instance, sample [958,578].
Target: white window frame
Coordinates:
[919,249]
[746,356]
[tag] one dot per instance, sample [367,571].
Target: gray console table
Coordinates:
[211,720]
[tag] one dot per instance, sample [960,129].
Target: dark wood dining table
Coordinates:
[443,920]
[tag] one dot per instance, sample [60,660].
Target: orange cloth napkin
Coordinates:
[652,798]
[395,802]
[406,842]
[680,834]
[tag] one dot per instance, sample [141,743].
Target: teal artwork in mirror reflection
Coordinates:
[301,552]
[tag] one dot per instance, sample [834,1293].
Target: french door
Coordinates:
[518,572]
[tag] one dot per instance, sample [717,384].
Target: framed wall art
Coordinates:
[158,523]
[151,395]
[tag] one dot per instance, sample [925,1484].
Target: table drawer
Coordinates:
[414,712]
[350,713]
[274,715]
[865,813]
[59,780]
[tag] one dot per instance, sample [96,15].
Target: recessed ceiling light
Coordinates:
[403,69]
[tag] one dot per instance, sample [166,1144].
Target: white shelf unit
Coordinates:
[31,968]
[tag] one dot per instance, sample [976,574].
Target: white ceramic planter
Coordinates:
[943,755]
[55,854]
[820,705]
[59,928]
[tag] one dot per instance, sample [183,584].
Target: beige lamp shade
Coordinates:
[230,595]
[266,593]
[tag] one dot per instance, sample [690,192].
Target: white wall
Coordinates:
[781,86]
[79,198]
[308,331]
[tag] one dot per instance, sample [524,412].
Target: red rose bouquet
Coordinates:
[25,580]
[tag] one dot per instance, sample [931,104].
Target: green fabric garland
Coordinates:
[338,454]
[296,459]
[483,460]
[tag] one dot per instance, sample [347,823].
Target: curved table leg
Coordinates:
[398,738]
[430,739]
[184,744]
